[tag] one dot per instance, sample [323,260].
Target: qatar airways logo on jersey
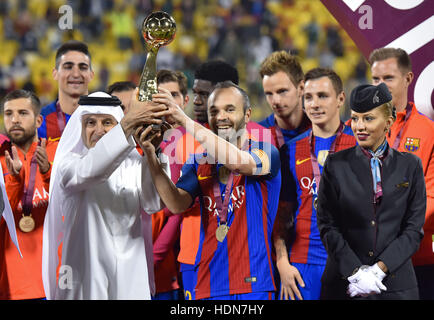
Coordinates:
[237,198]
[309,185]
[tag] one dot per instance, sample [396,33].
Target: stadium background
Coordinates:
[241,32]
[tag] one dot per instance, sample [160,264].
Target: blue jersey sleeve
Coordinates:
[188,180]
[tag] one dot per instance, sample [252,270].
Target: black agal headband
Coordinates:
[99,101]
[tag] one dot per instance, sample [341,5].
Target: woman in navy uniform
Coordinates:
[371,208]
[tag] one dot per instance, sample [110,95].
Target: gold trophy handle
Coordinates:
[148,79]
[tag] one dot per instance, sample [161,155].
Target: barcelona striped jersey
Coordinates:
[270,123]
[241,263]
[301,189]
[49,128]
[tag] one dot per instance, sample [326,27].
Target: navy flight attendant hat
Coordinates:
[366,97]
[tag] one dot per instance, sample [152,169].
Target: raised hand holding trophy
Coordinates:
[158,30]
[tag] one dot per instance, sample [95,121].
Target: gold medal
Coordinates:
[26,223]
[224,174]
[221,232]
[315,203]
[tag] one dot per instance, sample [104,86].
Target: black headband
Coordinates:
[99,101]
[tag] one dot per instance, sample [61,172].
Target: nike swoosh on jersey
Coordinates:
[298,162]
[199,177]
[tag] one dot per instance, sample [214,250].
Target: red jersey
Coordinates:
[21,278]
[417,137]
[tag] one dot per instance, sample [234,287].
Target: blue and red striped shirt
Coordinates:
[242,262]
[49,128]
[302,189]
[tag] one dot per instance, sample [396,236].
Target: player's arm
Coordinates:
[289,275]
[176,199]
[224,152]
[283,234]
[219,149]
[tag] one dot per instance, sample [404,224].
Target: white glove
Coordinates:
[365,282]
[353,290]
[375,269]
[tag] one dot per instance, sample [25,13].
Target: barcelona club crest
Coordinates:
[322,156]
[412,144]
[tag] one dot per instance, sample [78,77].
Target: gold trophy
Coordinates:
[158,30]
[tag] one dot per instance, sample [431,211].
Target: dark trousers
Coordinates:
[425,281]
[338,292]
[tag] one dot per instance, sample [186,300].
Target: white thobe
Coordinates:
[104,255]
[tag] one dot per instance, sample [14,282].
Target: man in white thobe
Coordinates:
[100,188]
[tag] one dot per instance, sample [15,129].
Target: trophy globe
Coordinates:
[158,29]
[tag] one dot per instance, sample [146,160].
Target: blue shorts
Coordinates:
[267,295]
[311,274]
[169,295]
[189,279]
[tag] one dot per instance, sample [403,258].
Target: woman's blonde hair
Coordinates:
[388,110]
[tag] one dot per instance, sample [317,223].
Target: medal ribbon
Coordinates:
[314,160]
[27,199]
[223,207]
[60,118]
[279,136]
[304,125]
[397,141]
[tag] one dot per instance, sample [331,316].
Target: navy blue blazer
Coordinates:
[356,231]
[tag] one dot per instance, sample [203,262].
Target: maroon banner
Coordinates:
[399,24]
